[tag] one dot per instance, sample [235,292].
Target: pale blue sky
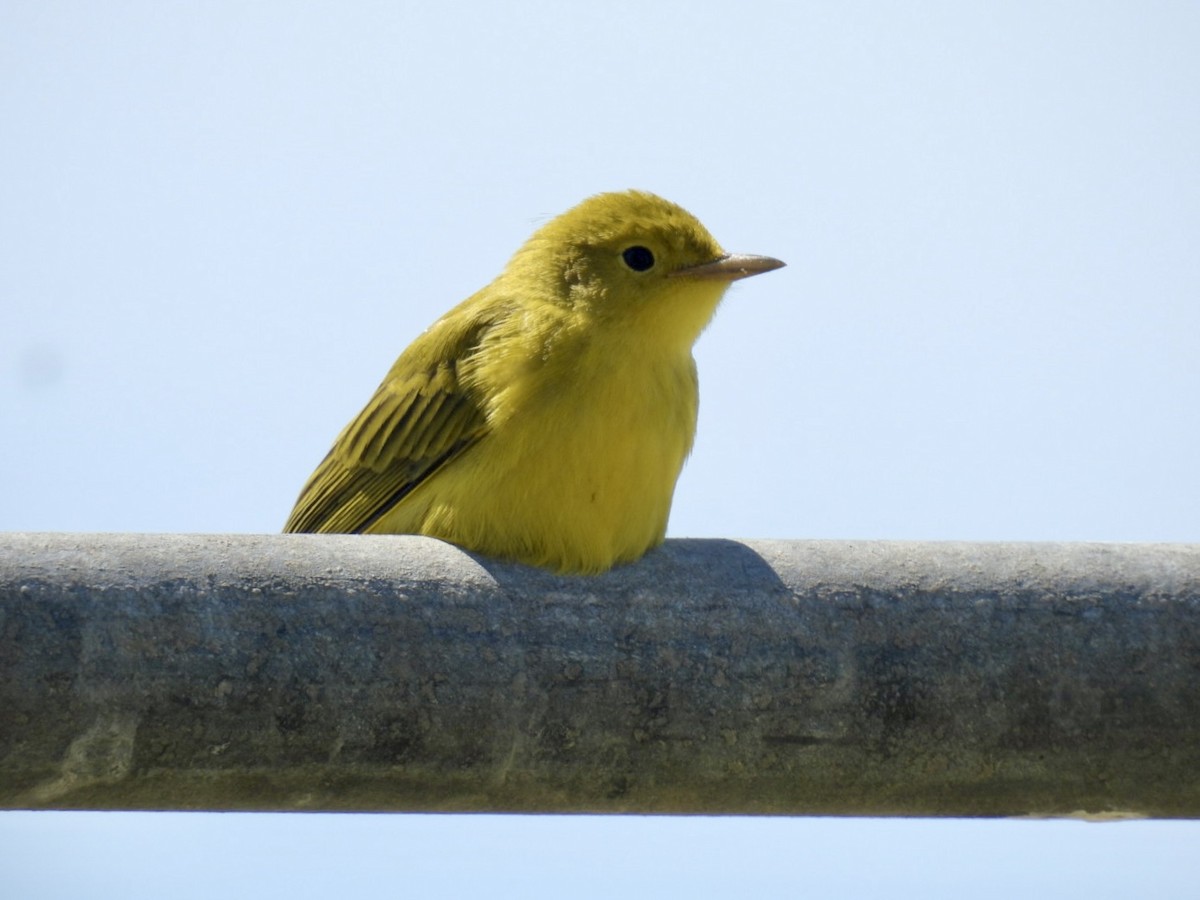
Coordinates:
[220,222]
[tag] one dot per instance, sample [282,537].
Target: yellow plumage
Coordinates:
[546,418]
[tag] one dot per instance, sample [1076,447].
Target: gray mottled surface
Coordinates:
[398,673]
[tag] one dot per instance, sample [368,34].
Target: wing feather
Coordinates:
[421,417]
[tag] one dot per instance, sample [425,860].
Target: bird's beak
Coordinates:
[731,267]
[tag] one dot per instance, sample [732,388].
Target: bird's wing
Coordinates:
[420,418]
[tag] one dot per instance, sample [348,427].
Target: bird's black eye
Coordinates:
[638,258]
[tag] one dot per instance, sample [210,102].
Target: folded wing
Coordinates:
[419,420]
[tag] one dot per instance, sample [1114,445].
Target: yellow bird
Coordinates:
[546,418]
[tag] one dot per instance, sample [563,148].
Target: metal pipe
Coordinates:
[325,672]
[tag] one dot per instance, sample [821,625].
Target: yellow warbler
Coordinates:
[545,419]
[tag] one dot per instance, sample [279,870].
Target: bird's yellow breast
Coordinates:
[578,467]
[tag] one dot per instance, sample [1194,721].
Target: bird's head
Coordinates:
[635,262]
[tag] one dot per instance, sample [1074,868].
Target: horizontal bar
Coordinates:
[320,672]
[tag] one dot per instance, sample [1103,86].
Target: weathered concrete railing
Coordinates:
[308,672]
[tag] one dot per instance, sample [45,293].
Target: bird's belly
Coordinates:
[562,485]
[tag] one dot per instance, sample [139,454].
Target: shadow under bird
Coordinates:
[545,419]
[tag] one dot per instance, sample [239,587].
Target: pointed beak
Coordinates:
[731,267]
